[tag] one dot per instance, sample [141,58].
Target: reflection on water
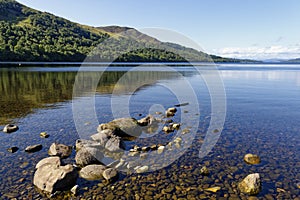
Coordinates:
[24,90]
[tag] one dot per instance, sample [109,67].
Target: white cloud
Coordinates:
[260,53]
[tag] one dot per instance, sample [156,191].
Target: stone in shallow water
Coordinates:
[160,149]
[60,150]
[252,159]
[142,169]
[92,172]
[88,155]
[126,128]
[75,190]
[52,178]
[44,135]
[251,184]
[213,189]
[55,160]
[110,174]
[13,149]
[204,171]
[34,148]
[10,128]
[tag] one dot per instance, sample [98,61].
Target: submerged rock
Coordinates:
[92,172]
[52,178]
[60,150]
[10,128]
[251,184]
[252,159]
[34,148]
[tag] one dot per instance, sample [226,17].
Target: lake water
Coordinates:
[261,110]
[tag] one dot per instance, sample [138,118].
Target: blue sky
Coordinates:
[257,29]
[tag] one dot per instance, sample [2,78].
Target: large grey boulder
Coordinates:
[251,184]
[88,155]
[60,150]
[92,172]
[51,177]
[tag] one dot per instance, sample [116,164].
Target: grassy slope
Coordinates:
[30,35]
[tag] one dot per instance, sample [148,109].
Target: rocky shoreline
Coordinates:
[110,142]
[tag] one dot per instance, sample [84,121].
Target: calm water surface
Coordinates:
[263,117]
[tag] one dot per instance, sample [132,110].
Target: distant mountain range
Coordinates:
[34,36]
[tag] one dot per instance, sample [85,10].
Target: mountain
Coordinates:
[296,60]
[30,35]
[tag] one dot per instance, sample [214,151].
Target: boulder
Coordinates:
[126,128]
[110,174]
[88,155]
[55,160]
[92,172]
[101,137]
[34,148]
[250,185]
[51,178]
[60,150]
[115,144]
[10,128]
[252,159]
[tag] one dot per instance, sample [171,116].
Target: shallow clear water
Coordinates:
[262,117]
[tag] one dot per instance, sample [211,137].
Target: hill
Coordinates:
[30,35]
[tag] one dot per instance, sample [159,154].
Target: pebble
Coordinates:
[13,149]
[75,190]
[44,135]
[160,149]
[142,169]
[213,189]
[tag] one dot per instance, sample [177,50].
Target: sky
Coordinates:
[255,29]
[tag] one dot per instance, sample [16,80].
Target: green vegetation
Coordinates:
[30,35]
